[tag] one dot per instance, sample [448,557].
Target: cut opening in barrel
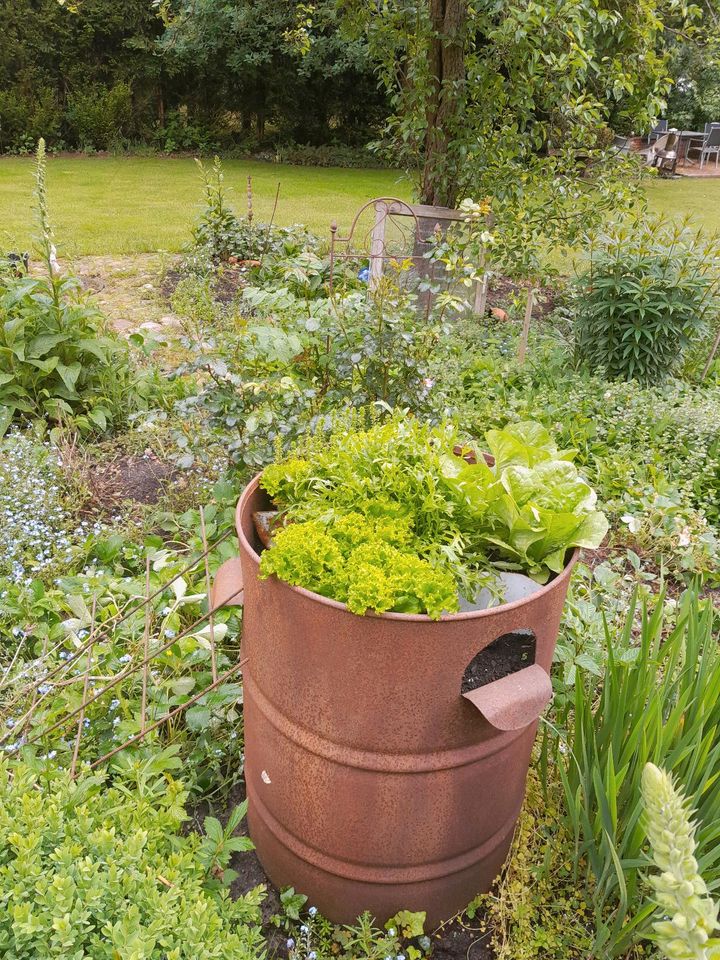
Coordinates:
[509,653]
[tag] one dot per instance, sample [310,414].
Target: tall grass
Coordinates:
[661,708]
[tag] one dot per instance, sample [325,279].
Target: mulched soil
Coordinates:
[141,479]
[228,282]
[508,654]
[503,291]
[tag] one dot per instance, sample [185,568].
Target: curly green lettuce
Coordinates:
[363,563]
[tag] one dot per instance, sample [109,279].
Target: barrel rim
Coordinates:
[544,591]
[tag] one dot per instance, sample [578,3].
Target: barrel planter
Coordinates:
[373,782]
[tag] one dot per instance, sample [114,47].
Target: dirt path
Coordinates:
[127,288]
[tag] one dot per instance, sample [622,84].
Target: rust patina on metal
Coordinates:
[374,784]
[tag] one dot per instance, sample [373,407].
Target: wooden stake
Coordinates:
[377,245]
[146,643]
[713,351]
[481,292]
[522,350]
[208,586]
[86,683]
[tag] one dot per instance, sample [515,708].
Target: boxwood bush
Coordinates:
[91,870]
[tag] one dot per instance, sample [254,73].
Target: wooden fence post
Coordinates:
[522,350]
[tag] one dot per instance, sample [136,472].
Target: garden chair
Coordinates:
[711,145]
[657,131]
[664,153]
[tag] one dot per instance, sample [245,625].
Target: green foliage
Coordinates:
[646,295]
[680,891]
[694,99]
[106,569]
[219,233]
[301,350]
[39,529]
[315,937]
[92,869]
[662,707]
[259,62]
[657,476]
[100,118]
[66,73]
[57,359]
[360,499]
[514,102]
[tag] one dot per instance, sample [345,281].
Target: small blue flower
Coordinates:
[304,929]
[364,275]
[290,944]
[312,911]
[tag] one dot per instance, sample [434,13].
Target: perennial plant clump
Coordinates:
[647,295]
[396,515]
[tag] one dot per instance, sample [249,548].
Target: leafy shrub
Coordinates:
[24,119]
[662,706]
[364,498]
[92,870]
[305,355]
[57,358]
[330,155]
[180,132]
[660,472]
[101,117]
[646,295]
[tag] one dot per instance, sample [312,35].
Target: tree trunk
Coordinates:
[447,68]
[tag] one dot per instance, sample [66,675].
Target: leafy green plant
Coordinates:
[661,707]
[220,843]
[57,359]
[219,232]
[93,869]
[646,296]
[394,518]
[688,932]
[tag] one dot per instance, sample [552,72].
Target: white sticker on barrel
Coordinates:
[265,778]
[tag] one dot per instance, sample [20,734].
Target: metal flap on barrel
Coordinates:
[514,701]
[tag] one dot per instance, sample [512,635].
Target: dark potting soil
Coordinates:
[508,654]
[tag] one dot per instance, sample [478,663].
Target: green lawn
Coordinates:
[126,205]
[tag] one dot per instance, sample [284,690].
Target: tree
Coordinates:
[471,81]
[256,58]
[695,68]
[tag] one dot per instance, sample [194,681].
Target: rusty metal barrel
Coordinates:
[373,782]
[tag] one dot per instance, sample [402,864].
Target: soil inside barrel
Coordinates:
[508,654]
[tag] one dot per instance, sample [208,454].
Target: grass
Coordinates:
[117,205]
[111,205]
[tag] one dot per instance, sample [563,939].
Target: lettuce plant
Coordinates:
[426,525]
